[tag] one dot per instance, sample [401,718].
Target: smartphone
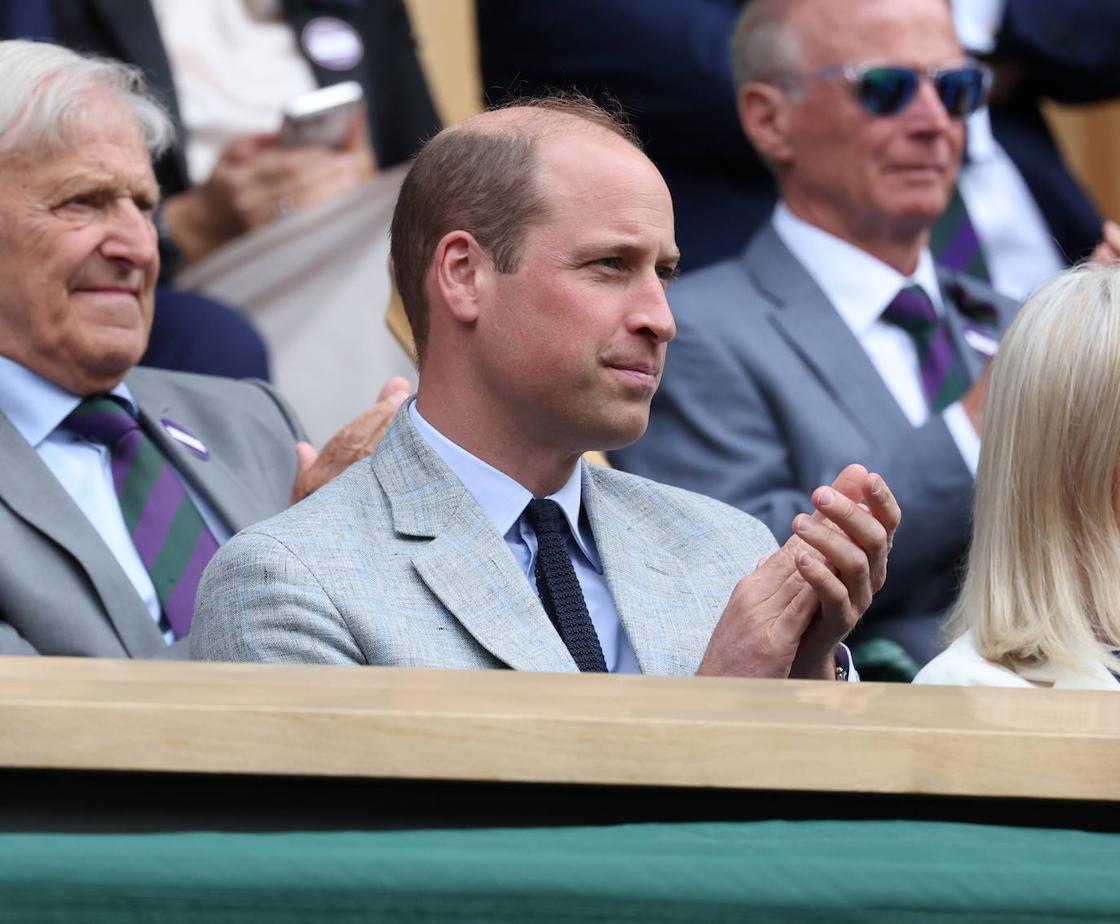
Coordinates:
[321,116]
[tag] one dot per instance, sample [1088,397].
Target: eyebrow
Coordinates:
[102,181]
[627,246]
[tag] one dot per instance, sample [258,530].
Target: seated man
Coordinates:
[833,336]
[118,482]
[532,247]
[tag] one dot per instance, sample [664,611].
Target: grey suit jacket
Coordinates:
[61,590]
[767,394]
[393,563]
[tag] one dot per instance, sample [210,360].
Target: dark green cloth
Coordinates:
[757,871]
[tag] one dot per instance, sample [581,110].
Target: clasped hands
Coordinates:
[787,617]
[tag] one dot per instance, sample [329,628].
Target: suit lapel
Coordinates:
[650,588]
[808,321]
[33,493]
[466,565]
[212,477]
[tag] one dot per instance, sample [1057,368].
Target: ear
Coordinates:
[764,113]
[458,268]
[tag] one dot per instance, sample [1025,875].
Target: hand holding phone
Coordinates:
[321,117]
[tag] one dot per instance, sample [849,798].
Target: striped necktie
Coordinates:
[559,588]
[943,377]
[954,242]
[174,543]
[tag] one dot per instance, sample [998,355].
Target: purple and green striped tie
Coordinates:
[943,376]
[170,535]
[954,242]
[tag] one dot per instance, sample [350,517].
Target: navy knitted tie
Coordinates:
[559,588]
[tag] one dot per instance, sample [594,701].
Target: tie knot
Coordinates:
[102,420]
[913,311]
[546,516]
[911,303]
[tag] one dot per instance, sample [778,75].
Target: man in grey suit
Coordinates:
[805,352]
[79,573]
[532,247]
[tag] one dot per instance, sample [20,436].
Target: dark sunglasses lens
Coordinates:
[887,90]
[962,91]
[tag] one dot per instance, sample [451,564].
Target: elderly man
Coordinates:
[118,483]
[833,337]
[532,247]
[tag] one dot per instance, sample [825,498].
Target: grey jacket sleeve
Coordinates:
[258,601]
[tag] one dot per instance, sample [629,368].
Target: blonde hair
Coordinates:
[1043,579]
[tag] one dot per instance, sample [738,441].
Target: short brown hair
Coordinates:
[481,180]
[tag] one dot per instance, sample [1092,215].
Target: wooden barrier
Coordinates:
[84,715]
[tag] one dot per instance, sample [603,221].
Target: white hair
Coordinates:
[765,44]
[1043,579]
[46,87]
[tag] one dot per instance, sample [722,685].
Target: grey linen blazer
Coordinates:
[61,590]
[394,563]
[767,394]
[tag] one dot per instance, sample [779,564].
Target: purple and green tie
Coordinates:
[954,242]
[943,376]
[170,535]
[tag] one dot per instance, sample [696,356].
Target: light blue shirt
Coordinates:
[503,501]
[36,407]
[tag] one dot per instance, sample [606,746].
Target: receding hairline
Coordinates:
[535,123]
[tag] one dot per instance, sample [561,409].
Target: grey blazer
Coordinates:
[61,590]
[767,394]
[393,563]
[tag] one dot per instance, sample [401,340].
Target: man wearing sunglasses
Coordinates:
[833,335]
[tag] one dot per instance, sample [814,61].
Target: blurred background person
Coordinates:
[834,334]
[1020,215]
[1041,600]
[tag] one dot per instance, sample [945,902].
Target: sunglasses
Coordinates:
[887,89]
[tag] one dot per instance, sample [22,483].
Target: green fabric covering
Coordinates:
[884,661]
[757,871]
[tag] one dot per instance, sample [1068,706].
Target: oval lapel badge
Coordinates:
[332,43]
[185,438]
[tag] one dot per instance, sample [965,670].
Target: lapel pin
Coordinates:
[981,342]
[185,438]
[332,43]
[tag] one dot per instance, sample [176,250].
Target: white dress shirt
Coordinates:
[1017,245]
[1020,253]
[503,501]
[36,408]
[860,287]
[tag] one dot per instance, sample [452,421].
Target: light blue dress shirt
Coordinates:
[503,501]
[36,407]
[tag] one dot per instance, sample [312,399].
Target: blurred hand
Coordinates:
[787,617]
[973,400]
[1107,252]
[353,442]
[257,180]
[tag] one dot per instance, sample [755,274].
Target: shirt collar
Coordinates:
[502,499]
[980,142]
[35,405]
[859,286]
